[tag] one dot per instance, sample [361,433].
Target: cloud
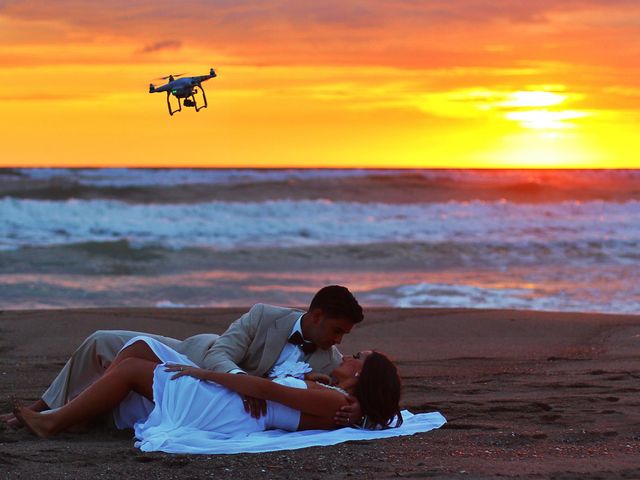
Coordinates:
[264,16]
[402,33]
[161,45]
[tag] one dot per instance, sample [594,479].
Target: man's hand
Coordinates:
[255,406]
[349,414]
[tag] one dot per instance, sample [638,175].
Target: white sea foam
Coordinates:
[597,229]
[582,297]
[170,304]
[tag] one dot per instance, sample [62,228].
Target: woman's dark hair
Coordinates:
[378,391]
[337,302]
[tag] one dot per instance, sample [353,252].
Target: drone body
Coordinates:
[184,88]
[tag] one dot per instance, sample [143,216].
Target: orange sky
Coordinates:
[442,83]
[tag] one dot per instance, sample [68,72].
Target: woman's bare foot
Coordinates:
[11,420]
[14,422]
[40,424]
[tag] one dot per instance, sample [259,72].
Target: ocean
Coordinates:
[565,240]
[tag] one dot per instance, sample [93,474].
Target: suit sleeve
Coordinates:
[232,346]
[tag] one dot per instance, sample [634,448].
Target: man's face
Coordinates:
[329,331]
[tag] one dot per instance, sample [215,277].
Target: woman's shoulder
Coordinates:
[311,385]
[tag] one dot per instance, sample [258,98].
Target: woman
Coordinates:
[190,403]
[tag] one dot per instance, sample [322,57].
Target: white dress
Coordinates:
[187,413]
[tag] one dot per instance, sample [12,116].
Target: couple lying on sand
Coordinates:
[274,368]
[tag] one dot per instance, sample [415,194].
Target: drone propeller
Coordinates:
[169,76]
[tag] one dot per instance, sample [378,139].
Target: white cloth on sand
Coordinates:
[194,416]
[274,440]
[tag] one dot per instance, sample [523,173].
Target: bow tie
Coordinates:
[306,347]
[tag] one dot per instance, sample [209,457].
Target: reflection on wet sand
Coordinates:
[540,288]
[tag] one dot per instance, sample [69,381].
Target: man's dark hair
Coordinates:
[337,302]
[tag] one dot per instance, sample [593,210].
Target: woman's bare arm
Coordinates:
[313,422]
[316,402]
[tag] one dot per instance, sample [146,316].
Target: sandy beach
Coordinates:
[526,394]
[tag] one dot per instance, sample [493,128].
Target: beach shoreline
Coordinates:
[526,394]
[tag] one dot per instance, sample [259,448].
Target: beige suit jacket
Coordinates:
[253,343]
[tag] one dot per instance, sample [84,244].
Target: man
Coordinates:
[259,341]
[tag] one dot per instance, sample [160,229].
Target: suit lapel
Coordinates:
[275,340]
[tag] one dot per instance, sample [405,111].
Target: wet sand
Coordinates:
[526,395]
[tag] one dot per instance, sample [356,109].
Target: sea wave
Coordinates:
[585,295]
[362,185]
[126,177]
[604,227]
[122,258]
[551,240]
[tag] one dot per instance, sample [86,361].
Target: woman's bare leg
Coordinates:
[131,374]
[139,349]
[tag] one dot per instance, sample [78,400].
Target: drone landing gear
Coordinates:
[179,109]
[204,97]
[191,101]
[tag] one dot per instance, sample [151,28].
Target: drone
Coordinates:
[185,88]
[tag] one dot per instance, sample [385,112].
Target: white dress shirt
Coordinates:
[290,352]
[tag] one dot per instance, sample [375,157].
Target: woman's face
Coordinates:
[351,365]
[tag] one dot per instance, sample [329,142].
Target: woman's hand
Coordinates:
[185,370]
[350,414]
